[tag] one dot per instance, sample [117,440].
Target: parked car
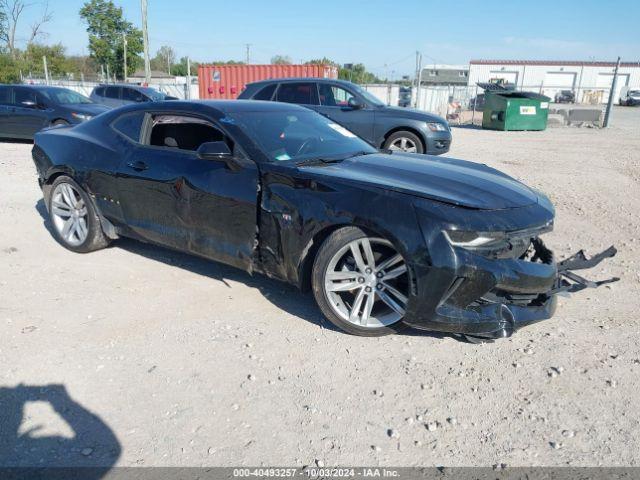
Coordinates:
[347,104]
[565,96]
[114,95]
[27,109]
[384,240]
[629,97]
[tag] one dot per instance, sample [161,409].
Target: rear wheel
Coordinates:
[76,225]
[360,283]
[404,141]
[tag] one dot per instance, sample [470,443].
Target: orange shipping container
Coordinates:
[228,81]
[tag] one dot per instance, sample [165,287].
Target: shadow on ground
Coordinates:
[282,295]
[92,445]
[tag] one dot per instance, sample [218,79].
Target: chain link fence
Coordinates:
[463,105]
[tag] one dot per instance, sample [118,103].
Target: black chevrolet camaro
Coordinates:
[383,239]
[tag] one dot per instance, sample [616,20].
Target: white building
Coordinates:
[591,81]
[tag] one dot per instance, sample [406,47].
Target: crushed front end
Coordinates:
[491,284]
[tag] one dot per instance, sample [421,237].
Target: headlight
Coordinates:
[437,127]
[82,116]
[472,240]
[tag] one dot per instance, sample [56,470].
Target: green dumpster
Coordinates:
[513,110]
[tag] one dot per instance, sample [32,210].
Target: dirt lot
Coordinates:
[186,362]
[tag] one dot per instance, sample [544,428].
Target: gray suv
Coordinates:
[117,95]
[345,103]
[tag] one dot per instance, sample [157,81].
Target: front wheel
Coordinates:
[76,225]
[361,283]
[404,141]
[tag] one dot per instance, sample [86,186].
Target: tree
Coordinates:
[9,70]
[58,63]
[10,13]
[281,60]
[107,29]
[356,74]
[164,59]
[180,68]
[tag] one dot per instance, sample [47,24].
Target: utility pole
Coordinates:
[248,46]
[145,40]
[46,69]
[188,78]
[419,79]
[124,46]
[607,112]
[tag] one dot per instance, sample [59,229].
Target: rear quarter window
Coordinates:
[266,93]
[129,125]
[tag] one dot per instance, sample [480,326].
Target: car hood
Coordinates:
[87,108]
[412,113]
[447,180]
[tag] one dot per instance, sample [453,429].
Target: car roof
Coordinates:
[34,87]
[302,79]
[222,106]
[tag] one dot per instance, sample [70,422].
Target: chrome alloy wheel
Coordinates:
[404,144]
[366,283]
[69,214]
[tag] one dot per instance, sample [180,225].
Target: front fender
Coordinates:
[298,213]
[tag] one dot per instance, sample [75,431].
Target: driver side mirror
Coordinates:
[214,150]
[219,151]
[355,103]
[29,104]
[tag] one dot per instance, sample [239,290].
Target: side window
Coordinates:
[301,93]
[5,95]
[184,132]
[99,91]
[112,92]
[132,95]
[334,96]
[22,95]
[130,125]
[266,93]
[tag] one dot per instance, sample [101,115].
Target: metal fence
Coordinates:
[464,104]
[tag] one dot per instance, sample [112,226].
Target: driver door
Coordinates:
[27,114]
[334,104]
[170,195]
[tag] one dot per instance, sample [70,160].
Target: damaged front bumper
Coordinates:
[492,298]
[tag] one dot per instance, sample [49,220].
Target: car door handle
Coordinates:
[138,166]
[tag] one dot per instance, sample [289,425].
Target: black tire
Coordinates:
[408,135]
[59,122]
[95,239]
[332,244]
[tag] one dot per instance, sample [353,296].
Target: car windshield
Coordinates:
[369,98]
[64,96]
[300,136]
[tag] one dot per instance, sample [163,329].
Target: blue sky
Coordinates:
[382,34]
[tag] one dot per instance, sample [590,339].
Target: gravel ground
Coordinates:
[142,356]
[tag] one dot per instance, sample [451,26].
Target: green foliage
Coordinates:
[106,26]
[281,60]
[180,68]
[9,69]
[357,74]
[57,62]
